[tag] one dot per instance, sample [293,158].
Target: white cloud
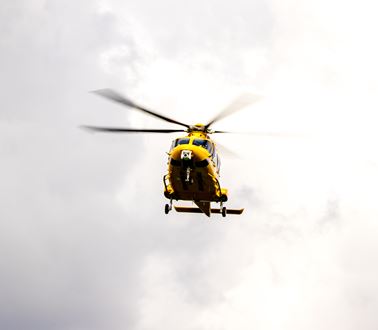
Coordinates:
[83,239]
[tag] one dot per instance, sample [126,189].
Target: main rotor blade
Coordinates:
[114,96]
[241,102]
[226,151]
[129,130]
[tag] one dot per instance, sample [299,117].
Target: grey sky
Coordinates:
[84,243]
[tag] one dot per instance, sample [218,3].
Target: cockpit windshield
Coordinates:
[176,142]
[203,143]
[182,141]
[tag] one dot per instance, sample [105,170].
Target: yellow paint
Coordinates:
[202,183]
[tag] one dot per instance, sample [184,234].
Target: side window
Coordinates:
[217,161]
[211,149]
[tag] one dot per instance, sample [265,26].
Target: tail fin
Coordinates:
[205,207]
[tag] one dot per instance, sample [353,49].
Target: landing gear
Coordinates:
[223,210]
[168,207]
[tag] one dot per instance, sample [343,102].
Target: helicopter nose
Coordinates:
[186,154]
[189,153]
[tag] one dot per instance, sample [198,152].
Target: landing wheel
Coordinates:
[224,211]
[167,208]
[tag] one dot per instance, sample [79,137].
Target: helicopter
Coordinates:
[193,161]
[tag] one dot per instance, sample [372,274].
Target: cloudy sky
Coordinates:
[84,242]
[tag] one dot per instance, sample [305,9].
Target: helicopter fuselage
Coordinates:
[193,171]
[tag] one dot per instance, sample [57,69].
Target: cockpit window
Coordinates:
[203,143]
[176,142]
[182,141]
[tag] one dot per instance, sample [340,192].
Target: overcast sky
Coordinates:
[84,241]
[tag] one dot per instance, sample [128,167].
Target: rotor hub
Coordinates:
[199,128]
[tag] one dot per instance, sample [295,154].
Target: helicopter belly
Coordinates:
[196,183]
[199,185]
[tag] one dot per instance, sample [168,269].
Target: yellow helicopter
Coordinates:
[193,160]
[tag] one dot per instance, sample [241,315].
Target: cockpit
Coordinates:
[204,144]
[208,145]
[197,142]
[179,141]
